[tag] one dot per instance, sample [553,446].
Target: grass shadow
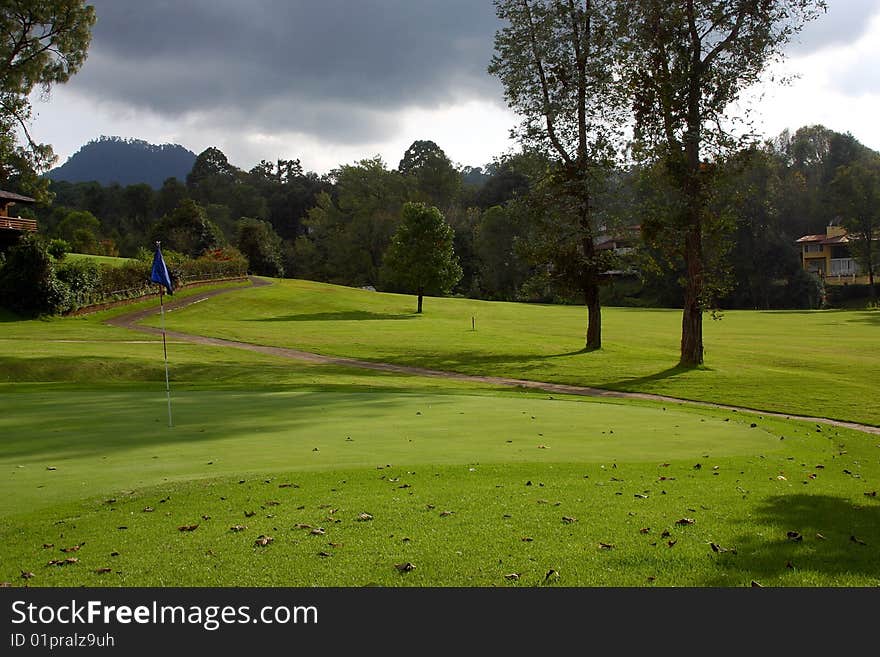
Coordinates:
[832,536]
[668,373]
[349,315]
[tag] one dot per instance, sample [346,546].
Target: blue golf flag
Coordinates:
[160,273]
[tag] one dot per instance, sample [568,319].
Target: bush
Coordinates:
[82,278]
[58,248]
[28,283]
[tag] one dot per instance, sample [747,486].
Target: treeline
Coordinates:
[338,227]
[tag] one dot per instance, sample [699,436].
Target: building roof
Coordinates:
[823,239]
[15,198]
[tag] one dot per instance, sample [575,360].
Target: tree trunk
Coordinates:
[420,303]
[692,316]
[594,317]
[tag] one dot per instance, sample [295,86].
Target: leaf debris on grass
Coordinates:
[405,567]
[188,528]
[263,541]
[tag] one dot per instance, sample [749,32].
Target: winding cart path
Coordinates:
[131,321]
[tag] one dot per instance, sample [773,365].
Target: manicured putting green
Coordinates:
[100,442]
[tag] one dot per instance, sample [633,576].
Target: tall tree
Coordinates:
[690,61]
[187,230]
[421,258]
[42,43]
[555,60]
[347,235]
[857,192]
[262,246]
[436,180]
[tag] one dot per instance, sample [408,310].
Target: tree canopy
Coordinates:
[421,258]
[42,43]
[687,63]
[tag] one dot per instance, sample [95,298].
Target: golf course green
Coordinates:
[282,472]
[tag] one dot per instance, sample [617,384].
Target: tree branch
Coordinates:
[545,92]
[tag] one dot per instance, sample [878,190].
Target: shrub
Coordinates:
[58,248]
[28,283]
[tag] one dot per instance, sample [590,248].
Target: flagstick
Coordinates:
[165,350]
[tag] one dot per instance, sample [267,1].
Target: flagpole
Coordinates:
[165,350]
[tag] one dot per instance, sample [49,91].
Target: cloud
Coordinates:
[844,22]
[336,69]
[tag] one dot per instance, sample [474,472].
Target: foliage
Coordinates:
[58,248]
[28,282]
[80,229]
[688,62]
[42,43]
[495,244]
[188,230]
[556,62]
[83,280]
[262,246]
[421,258]
[348,232]
[857,193]
[128,162]
[435,179]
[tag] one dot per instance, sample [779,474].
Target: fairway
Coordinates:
[813,363]
[100,442]
[279,472]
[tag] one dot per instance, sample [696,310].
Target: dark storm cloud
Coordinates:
[333,68]
[339,70]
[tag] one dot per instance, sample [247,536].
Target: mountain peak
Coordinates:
[130,161]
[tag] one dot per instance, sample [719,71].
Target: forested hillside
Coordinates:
[110,160]
[338,227]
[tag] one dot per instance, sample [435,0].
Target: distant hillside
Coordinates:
[125,161]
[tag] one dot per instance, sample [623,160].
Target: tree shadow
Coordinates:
[342,315]
[668,373]
[865,317]
[832,536]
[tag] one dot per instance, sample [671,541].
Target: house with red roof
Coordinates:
[828,256]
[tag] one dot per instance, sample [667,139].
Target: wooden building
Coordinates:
[13,227]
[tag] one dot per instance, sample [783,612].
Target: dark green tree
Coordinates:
[80,229]
[263,247]
[689,62]
[856,189]
[555,60]
[28,282]
[42,43]
[502,267]
[421,258]
[347,233]
[432,173]
[187,230]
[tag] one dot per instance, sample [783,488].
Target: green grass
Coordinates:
[83,421]
[823,363]
[273,461]
[99,259]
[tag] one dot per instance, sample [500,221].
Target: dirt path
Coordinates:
[130,321]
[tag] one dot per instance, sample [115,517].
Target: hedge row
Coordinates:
[34,283]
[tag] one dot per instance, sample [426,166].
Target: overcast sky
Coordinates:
[334,81]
